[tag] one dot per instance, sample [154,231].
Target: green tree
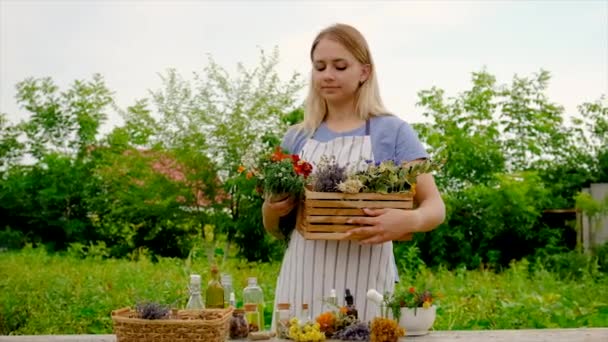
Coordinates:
[532,126]
[464,131]
[65,122]
[228,117]
[11,150]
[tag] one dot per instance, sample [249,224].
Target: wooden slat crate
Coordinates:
[323,215]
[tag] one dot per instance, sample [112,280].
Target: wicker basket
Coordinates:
[207,325]
[323,215]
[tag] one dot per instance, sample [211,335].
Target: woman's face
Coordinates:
[336,73]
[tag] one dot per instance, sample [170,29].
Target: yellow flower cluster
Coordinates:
[307,332]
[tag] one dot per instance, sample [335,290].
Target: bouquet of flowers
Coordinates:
[279,174]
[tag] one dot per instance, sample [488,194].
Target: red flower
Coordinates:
[412,290]
[278,155]
[303,168]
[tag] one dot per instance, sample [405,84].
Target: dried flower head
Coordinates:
[328,175]
[351,186]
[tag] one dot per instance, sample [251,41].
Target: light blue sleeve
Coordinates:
[408,147]
[393,138]
[293,141]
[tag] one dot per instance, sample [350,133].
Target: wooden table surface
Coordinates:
[532,335]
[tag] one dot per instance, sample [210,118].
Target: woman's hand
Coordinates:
[383,225]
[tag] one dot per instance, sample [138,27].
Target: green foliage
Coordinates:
[45,202]
[70,295]
[64,122]
[484,222]
[388,177]
[227,116]
[466,131]
[156,199]
[11,149]
[246,221]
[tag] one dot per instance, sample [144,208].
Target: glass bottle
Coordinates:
[350,306]
[239,329]
[253,294]
[214,297]
[253,317]
[195,301]
[331,301]
[304,314]
[227,285]
[283,315]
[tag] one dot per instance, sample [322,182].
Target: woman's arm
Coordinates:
[383,225]
[431,206]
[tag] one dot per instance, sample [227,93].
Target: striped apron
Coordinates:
[312,268]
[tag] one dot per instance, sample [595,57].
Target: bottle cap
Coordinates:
[195,279]
[332,293]
[304,306]
[226,279]
[252,281]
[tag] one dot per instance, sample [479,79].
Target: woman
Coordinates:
[344,117]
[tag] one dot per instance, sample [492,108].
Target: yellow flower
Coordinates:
[241,169]
[426,304]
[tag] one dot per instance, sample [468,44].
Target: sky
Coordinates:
[416,44]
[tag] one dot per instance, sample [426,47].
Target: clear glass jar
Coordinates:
[283,315]
[253,294]
[239,328]
[253,317]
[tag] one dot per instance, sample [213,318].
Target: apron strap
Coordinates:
[367,127]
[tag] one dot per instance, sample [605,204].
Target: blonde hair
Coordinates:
[368,102]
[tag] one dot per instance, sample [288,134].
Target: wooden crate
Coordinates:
[323,215]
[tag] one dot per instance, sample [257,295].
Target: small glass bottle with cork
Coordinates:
[195,301]
[283,316]
[214,297]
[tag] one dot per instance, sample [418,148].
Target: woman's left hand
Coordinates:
[383,225]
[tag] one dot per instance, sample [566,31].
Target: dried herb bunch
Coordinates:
[152,310]
[385,330]
[328,175]
[390,176]
[382,177]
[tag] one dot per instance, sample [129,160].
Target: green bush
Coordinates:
[68,294]
[491,224]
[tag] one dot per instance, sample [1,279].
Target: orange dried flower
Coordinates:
[326,322]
